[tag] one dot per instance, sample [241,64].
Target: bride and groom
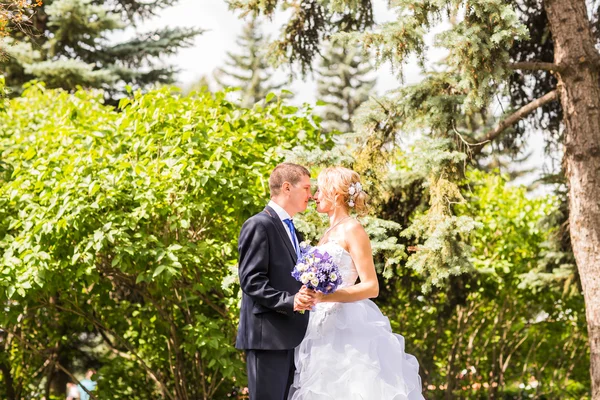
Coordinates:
[301,344]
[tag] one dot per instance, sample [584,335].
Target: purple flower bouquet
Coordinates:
[316,270]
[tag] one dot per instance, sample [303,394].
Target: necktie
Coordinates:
[290,225]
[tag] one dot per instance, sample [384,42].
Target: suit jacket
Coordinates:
[266,260]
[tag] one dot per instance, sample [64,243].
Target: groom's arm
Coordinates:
[253,246]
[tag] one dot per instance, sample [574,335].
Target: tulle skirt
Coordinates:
[350,353]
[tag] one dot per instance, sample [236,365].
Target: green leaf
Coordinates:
[158,270]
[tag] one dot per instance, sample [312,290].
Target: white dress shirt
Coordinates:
[282,214]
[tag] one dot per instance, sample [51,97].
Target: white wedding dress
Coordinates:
[349,351]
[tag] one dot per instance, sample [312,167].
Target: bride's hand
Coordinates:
[316,296]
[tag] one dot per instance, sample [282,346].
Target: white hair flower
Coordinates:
[354,189]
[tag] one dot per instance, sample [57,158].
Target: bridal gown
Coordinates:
[349,351]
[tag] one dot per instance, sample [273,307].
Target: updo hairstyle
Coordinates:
[344,184]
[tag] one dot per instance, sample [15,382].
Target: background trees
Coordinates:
[343,84]
[249,70]
[118,228]
[73,42]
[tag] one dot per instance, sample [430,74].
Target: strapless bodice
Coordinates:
[343,260]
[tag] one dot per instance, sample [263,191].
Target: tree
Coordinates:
[15,15]
[452,103]
[124,227]
[249,70]
[343,85]
[70,47]
[509,330]
[203,83]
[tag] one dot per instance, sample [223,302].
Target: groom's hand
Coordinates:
[303,301]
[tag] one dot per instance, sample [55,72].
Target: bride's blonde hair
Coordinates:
[336,181]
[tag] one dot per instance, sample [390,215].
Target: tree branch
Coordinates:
[512,119]
[536,66]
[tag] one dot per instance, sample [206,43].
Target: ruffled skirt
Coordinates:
[349,352]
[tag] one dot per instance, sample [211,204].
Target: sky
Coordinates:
[222,26]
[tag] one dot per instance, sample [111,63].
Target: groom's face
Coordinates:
[300,194]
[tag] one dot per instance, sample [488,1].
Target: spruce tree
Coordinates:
[70,46]
[249,69]
[343,84]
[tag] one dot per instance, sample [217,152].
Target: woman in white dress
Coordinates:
[349,351]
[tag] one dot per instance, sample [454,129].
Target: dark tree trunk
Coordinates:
[579,91]
[10,388]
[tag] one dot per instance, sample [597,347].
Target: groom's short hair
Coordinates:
[286,172]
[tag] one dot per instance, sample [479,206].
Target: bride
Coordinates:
[349,350]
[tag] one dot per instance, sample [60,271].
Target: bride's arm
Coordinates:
[359,247]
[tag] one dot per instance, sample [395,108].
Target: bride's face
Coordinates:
[324,205]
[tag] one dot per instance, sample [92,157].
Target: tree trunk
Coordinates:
[8,381]
[580,99]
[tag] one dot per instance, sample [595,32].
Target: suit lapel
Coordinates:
[282,232]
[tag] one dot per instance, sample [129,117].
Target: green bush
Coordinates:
[117,228]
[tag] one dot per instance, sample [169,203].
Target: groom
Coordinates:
[268,245]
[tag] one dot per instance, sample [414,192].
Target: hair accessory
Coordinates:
[353,191]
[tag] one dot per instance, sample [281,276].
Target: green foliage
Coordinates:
[120,226]
[70,47]
[487,333]
[311,22]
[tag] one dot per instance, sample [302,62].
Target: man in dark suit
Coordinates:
[270,326]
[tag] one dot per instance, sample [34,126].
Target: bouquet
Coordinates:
[316,270]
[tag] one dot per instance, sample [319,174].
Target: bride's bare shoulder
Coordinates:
[353,227]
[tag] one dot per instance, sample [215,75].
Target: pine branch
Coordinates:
[133,8]
[536,66]
[155,44]
[512,119]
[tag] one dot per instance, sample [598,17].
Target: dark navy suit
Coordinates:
[269,329]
